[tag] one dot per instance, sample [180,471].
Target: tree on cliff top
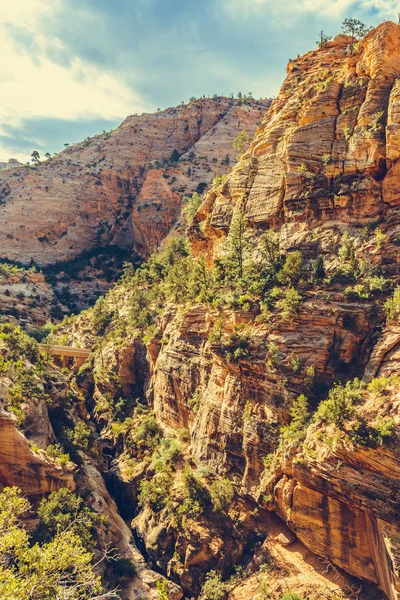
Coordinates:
[35,156]
[355,28]
[323,39]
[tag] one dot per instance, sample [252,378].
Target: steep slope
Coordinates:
[27,298]
[118,190]
[243,388]
[328,150]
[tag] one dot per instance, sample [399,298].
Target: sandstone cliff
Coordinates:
[320,173]
[244,383]
[118,190]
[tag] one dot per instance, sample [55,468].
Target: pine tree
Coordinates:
[237,245]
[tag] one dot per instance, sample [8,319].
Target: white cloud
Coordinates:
[32,85]
[386,9]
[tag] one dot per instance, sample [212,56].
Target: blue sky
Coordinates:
[71,68]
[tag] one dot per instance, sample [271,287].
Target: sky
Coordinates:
[72,68]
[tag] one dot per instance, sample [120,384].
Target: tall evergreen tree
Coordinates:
[237,244]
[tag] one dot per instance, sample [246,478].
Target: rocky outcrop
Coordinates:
[327,149]
[26,297]
[122,188]
[343,502]
[10,164]
[32,472]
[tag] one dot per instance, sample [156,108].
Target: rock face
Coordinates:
[327,150]
[10,164]
[123,188]
[34,474]
[27,298]
[325,158]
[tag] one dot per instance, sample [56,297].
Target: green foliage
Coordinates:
[101,316]
[41,333]
[191,205]
[57,453]
[300,416]
[292,269]
[156,491]
[380,238]
[59,568]
[290,304]
[318,269]
[326,159]
[222,493]
[270,249]
[291,596]
[174,155]
[80,435]
[346,249]
[241,142]
[392,306]
[357,292]
[323,39]
[168,453]
[149,432]
[355,28]
[195,400]
[196,496]
[123,567]
[213,588]
[63,510]
[379,433]
[237,246]
[378,385]
[161,586]
[340,405]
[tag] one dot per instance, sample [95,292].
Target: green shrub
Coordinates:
[290,304]
[221,493]
[392,306]
[300,416]
[213,588]
[340,404]
[80,435]
[191,205]
[61,565]
[326,159]
[357,292]
[156,491]
[292,270]
[123,567]
[380,433]
[57,453]
[380,238]
[149,433]
[346,249]
[378,385]
[64,510]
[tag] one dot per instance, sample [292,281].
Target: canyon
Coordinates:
[116,195]
[242,397]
